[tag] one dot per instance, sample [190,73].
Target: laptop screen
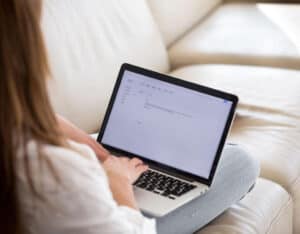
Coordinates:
[167,123]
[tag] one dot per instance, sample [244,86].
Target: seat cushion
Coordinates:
[268,208]
[268,117]
[243,33]
[87,43]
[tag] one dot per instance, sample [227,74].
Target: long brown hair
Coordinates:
[25,110]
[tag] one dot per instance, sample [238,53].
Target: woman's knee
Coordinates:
[240,158]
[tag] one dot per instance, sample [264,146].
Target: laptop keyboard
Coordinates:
[163,185]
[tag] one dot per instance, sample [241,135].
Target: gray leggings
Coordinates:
[235,175]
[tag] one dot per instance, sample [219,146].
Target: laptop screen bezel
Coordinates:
[172,80]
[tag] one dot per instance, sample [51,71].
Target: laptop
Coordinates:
[176,127]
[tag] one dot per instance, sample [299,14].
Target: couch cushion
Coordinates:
[266,209]
[175,17]
[87,42]
[243,33]
[286,17]
[268,117]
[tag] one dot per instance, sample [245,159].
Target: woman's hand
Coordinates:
[76,134]
[122,173]
[124,168]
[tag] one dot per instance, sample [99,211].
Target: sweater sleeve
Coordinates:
[82,201]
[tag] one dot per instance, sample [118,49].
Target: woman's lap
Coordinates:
[235,175]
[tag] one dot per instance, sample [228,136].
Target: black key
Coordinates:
[166,194]
[142,185]
[149,188]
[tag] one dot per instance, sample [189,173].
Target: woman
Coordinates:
[51,184]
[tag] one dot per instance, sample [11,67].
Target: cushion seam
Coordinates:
[296,181]
[279,214]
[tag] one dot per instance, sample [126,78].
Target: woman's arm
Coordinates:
[82,201]
[76,134]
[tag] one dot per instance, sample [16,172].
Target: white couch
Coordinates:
[248,49]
